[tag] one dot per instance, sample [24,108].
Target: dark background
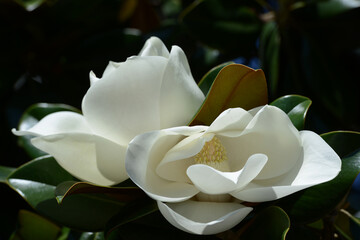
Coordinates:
[48,48]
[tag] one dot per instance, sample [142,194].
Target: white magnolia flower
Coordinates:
[151,91]
[200,175]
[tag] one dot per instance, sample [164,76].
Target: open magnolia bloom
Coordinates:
[200,175]
[151,91]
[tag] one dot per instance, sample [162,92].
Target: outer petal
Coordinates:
[180,96]
[212,181]
[76,153]
[203,217]
[144,154]
[319,164]
[126,102]
[270,132]
[55,123]
[154,47]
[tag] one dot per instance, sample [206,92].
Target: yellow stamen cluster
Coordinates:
[212,153]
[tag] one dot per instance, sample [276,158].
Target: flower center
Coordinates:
[213,154]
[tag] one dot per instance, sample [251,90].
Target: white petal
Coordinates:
[144,154]
[93,78]
[126,102]
[180,96]
[76,153]
[270,132]
[204,217]
[55,123]
[111,67]
[231,121]
[176,161]
[154,47]
[212,181]
[319,164]
[110,159]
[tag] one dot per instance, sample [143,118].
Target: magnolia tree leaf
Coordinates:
[272,224]
[33,226]
[36,182]
[316,202]
[33,115]
[296,107]
[5,172]
[235,86]
[92,236]
[122,194]
[208,79]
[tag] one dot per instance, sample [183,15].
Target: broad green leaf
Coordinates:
[92,236]
[30,5]
[271,223]
[316,202]
[36,182]
[343,142]
[296,107]
[132,211]
[122,194]
[208,79]
[235,86]
[35,227]
[31,116]
[5,172]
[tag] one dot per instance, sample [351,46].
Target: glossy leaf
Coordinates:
[122,194]
[31,116]
[92,236]
[296,107]
[5,172]
[35,227]
[271,224]
[235,86]
[208,79]
[88,212]
[343,142]
[30,5]
[132,212]
[316,202]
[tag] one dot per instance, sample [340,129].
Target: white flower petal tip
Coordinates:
[212,181]
[93,78]
[154,47]
[203,218]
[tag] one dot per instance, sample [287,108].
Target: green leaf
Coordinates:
[270,224]
[208,79]
[5,172]
[35,227]
[132,212]
[296,107]
[30,5]
[36,182]
[343,142]
[33,115]
[122,194]
[92,236]
[235,86]
[316,202]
